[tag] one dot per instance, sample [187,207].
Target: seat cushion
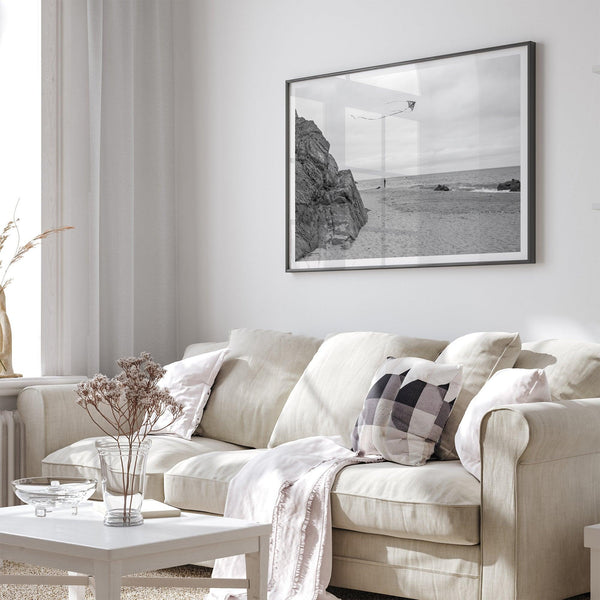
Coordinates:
[329,396]
[259,372]
[438,502]
[81,459]
[201,482]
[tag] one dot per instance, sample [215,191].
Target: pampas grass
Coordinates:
[20,249]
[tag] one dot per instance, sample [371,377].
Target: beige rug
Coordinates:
[38,592]
[59,592]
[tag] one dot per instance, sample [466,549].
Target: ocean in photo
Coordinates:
[408,217]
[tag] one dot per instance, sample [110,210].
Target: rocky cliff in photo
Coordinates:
[329,209]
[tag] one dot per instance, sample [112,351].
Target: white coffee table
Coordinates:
[83,544]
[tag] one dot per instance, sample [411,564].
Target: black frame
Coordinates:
[529,153]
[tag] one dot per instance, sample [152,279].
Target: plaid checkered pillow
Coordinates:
[406,409]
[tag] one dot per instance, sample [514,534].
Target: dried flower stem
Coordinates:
[128,406]
[20,250]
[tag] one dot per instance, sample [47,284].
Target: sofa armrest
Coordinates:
[540,487]
[52,420]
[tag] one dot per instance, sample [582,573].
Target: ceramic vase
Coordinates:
[6,368]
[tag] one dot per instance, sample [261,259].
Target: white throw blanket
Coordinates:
[289,486]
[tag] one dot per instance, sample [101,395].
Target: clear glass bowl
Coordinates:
[47,493]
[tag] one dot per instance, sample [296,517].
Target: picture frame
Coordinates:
[420,163]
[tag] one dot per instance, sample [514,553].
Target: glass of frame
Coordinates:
[429,162]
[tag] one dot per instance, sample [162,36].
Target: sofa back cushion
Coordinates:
[481,355]
[203,348]
[572,367]
[329,396]
[253,384]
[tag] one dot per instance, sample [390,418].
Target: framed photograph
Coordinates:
[428,162]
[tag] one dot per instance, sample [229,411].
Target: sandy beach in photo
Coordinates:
[408,217]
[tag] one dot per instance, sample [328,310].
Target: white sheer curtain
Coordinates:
[115,156]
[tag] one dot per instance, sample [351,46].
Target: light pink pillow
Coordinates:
[189,381]
[508,386]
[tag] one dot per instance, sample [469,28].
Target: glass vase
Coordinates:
[123,479]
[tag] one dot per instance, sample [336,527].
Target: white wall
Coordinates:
[233,59]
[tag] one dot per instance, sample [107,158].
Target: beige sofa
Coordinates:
[431,532]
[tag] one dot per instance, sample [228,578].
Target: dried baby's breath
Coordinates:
[126,408]
[131,403]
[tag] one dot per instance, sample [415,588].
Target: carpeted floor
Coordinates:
[33,592]
[38,592]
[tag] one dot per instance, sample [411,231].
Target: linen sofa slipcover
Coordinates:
[430,532]
[437,503]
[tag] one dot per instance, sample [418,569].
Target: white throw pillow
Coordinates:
[481,355]
[508,386]
[189,381]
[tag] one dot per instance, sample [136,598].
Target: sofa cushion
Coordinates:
[201,482]
[253,384]
[481,355]
[509,386]
[80,459]
[329,396]
[438,502]
[189,382]
[406,409]
[203,348]
[572,366]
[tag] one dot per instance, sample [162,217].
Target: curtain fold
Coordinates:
[118,185]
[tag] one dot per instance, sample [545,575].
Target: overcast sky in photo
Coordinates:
[466,115]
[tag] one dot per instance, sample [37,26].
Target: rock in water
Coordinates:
[441,188]
[514,185]
[329,209]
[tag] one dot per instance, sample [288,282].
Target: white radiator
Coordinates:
[12,454]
